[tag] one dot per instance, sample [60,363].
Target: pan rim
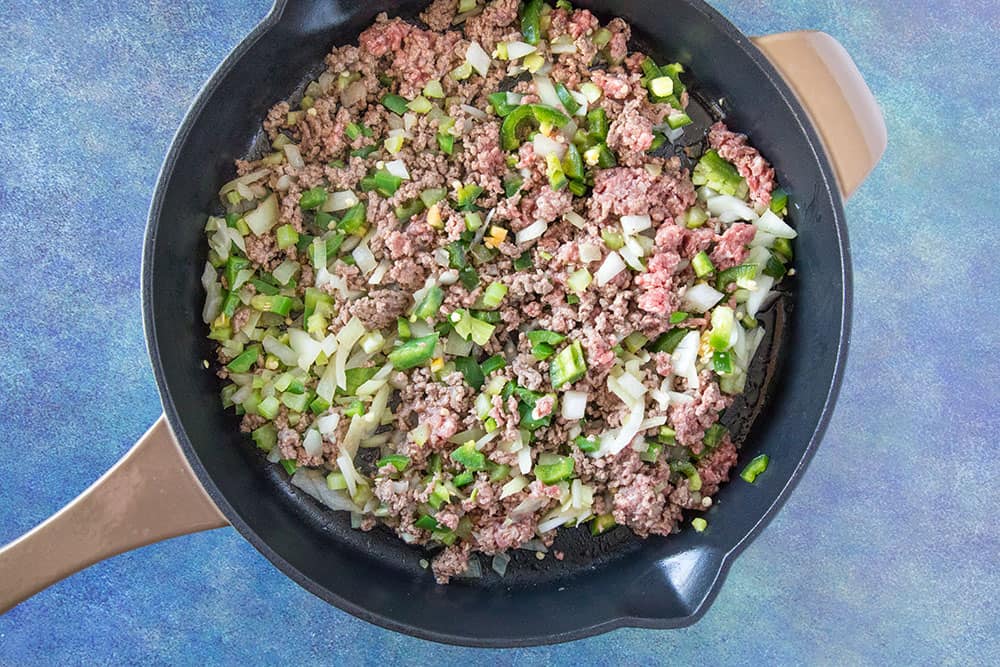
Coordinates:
[804,125]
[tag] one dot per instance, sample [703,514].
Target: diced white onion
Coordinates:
[772,224]
[313,442]
[562,44]
[633,224]
[730,209]
[517,50]
[758,295]
[327,424]
[524,460]
[762,239]
[313,483]
[346,339]
[631,257]
[353,94]
[500,562]
[529,505]
[680,398]
[574,405]
[684,358]
[673,134]
[478,58]
[575,219]
[701,297]
[532,231]
[364,258]
[340,200]
[610,267]
[246,179]
[397,168]
[618,439]
[547,92]
[478,114]
[582,101]
[294,156]
[589,252]
[213,294]
[306,347]
[287,355]
[550,524]
[545,146]
[515,485]
[379,273]
[261,219]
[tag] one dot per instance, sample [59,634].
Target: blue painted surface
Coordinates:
[887,551]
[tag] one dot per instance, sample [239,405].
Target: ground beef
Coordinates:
[634,191]
[731,247]
[749,162]
[492,23]
[439,14]
[690,420]
[631,134]
[379,309]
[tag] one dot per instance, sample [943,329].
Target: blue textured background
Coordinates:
[887,552]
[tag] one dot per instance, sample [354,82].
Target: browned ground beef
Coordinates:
[433,402]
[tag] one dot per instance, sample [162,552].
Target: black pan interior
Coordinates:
[612,580]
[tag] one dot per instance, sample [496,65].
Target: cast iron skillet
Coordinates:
[604,583]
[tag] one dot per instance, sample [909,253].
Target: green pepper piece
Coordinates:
[539,112]
[702,265]
[312,198]
[233,266]
[446,143]
[568,366]
[427,522]
[756,466]
[467,456]
[602,524]
[471,370]
[573,164]
[398,461]
[774,267]
[552,473]
[500,104]
[244,360]
[524,262]
[740,272]
[779,200]
[784,248]
[353,220]
[386,183]
[568,102]
[395,104]
[463,478]
[718,174]
[409,209]
[597,122]
[669,341]
[282,305]
[531,21]
[511,184]
[587,444]
[722,362]
[714,435]
[289,465]
[413,352]
[429,304]
[494,363]
[465,196]
[265,437]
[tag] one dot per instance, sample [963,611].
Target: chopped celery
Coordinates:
[419,104]
[268,407]
[431,196]
[265,437]
[493,295]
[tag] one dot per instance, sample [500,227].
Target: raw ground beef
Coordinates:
[418,236]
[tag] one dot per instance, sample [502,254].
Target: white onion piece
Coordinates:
[574,405]
[550,524]
[313,483]
[515,485]
[546,91]
[730,209]
[478,114]
[589,252]
[673,134]
[545,146]
[701,297]
[264,217]
[500,563]
[758,295]
[379,273]
[524,460]
[684,358]
[346,339]
[479,59]
[679,398]
[327,424]
[762,239]
[532,231]
[354,93]
[653,422]
[294,156]
[213,294]
[287,355]
[517,50]
[575,219]
[611,267]
[364,258]
[514,98]
[306,347]
[313,443]
[616,440]
[631,257]
[244,180]
[397,168]
[529,506]
[633,224]
[562,44]
[582,101]
[772,224]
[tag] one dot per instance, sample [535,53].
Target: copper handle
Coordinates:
[839,103]
[149,495]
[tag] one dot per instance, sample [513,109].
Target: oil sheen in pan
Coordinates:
[580,548]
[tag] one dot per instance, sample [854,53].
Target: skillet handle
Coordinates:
[836,97]
[149,495]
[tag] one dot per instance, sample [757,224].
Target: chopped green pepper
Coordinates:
[714,435]
[538,112]
[429,304]
[407,210]
[702,265]
[413,352]
[531,21]
[395,104]
[511,184]
[467,456]
[602,524]
[586,444]
[500,103]
[463,478]
[353,220]
[568,366]
[739,273]
[720,175]
[398,461]
[755,468]
[493,363]
[597,123]
[282,305]
[473,373]
[312,198]
[446,143]
[553,473]
[668,341]
[386,183]
[779,200]
[570,104]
